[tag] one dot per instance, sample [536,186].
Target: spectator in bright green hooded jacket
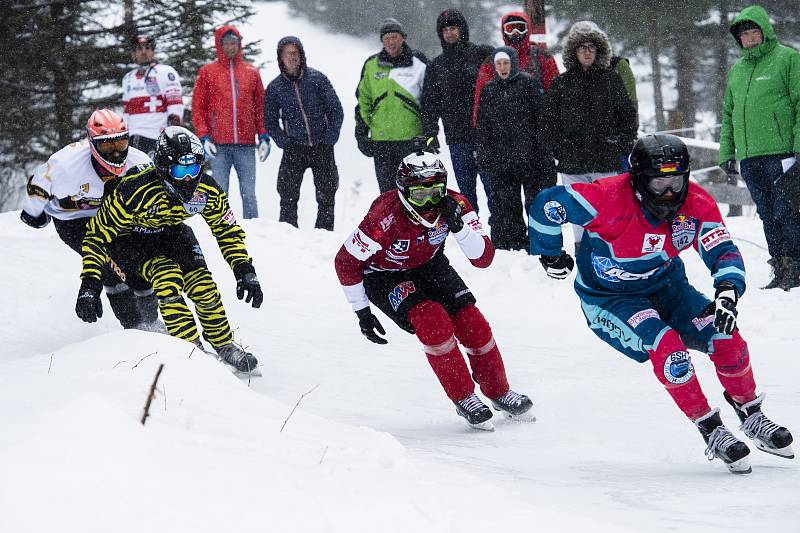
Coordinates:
[761,128]
[388,111]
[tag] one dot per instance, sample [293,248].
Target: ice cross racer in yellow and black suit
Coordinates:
[142,222]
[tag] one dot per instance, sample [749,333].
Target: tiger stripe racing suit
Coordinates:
[140,211]
[633,287]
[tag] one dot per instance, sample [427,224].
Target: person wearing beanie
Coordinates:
[509,148]
[228,116]
[761,129]
[449,93]
[303,115]
[388,110]
[515,29]
[590,121]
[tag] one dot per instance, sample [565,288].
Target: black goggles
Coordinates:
[659,184]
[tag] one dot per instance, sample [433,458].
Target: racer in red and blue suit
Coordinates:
[633,286]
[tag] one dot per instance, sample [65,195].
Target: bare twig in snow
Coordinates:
[295,406]
[119,363]
[151,393]
[142,359]
[323,454]
[51,363]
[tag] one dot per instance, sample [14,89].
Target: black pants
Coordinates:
[388,156]
[145,144]
[296,159]
[119,283]
[396,293]
[509,215]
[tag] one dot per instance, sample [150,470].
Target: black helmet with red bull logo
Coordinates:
[660,174]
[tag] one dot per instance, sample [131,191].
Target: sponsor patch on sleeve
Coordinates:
[715,237]
[361,246]
[229,217]
[555,212]
[474,222]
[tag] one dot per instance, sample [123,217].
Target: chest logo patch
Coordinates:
[197,203]
[555,212]
[683,230]
[653,242]
[400,246]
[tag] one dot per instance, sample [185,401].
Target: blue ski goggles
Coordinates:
[185,172]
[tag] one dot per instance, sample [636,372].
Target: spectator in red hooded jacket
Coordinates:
[228,115]
[533,59]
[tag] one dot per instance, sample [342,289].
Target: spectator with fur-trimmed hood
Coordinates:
[590,121]
[449,92]
[515,28]
[304,116]
[509,119]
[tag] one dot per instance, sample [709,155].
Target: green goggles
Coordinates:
[420,195]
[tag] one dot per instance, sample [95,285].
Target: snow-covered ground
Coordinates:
[375,446]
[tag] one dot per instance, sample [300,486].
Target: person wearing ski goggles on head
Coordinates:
[395,260]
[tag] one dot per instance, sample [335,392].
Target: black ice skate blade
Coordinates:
[786,452]
[253,373]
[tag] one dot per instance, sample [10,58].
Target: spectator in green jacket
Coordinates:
[761,128]
[388,111]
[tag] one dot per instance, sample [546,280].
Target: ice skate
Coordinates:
[514,406]
[766,435]
[242,362]
[722,444]
[475,412]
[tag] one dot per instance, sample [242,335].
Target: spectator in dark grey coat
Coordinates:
[304,116]
[449,93]
[508,146]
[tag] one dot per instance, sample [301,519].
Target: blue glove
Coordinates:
[264,147]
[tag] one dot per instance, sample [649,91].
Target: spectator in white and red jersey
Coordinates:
[151,95]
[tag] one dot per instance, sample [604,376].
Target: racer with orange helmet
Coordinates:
[69,188]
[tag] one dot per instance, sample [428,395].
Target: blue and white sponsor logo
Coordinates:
[609,270]
[555,212]
[197,203]
[400,246]
[678,368]
[437,235]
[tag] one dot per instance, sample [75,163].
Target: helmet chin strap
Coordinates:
[414,215]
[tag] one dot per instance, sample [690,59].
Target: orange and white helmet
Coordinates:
[108,140]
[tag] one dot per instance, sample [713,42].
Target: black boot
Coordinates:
[766,435]
[475,412]
[123,303]
[791,273]
[514,405]
[722,444]
[778,265]
[147,303]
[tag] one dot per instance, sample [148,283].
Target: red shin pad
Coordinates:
[435,330]
[731,359]
[673,368]
[473,331]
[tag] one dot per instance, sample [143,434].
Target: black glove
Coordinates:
[89,307]
[247,283]
[729,167]
[366,146]
[724,307]
[559,266]
[451,210]
[368,324]
[35,222]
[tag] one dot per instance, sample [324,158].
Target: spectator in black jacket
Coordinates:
[589,119]
[449,93]
[303,115]
[509,119]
